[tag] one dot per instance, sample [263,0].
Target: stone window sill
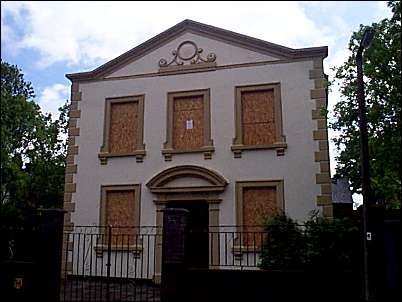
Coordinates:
[139,155]
[207,150]
[279,147]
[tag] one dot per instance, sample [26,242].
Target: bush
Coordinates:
[319,244]
[283,245]
[332,244]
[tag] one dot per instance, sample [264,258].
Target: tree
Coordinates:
[382,71]
[33,151]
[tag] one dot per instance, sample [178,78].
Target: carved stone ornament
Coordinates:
[187,51]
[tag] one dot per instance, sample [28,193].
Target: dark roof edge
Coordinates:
[223,34]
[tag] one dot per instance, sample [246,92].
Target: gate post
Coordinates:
[50,253]
[173,254]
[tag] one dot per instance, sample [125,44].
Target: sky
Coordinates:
[50,39]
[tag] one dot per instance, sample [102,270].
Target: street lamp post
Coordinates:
[364,158]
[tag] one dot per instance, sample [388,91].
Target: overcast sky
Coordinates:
[49,39]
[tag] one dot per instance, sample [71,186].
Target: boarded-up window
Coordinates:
[123,127]
[120,214]
[258,117]
[188,122]
[258,204]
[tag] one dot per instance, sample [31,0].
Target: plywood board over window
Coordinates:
[188,124]
[123,128]
[258,119]
[188,120]
[258,203]
[255,202]
[120,209]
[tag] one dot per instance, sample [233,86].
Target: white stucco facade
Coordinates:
[236,65]
[297,164]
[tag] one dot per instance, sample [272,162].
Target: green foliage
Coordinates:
[382,71]
[284,245]
[32,150]
[331,243]
[319,244]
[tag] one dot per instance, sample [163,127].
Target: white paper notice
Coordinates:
[189,124]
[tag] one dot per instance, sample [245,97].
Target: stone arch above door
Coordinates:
[176,180]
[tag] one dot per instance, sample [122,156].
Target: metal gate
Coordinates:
[111,264]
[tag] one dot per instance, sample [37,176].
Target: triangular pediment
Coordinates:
[190,45]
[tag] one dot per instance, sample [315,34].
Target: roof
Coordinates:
[341,191]
[251,43]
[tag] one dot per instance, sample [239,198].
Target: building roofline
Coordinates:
[241,40]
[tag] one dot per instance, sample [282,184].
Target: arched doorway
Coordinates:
[198,190]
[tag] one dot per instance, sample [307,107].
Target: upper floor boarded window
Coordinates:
[258,119]
[123,128]
[188,124]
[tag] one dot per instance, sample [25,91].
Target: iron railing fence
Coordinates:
[125,263]
[104,263]
[235,247]
[284,247]
[110,264]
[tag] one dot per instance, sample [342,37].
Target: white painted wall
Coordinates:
[296,167]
